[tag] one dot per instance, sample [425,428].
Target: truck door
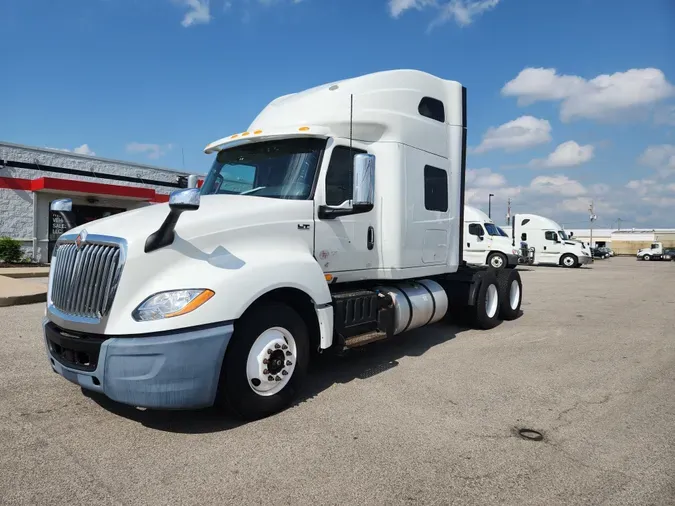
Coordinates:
[350,242]
[552,248]
[475,249]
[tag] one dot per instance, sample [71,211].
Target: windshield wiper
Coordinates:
[253,190]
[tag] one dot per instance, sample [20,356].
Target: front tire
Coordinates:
[646,258]
[266,362]
[485,312]
[497,261]
[569,261]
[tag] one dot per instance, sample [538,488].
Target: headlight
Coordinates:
[171,303]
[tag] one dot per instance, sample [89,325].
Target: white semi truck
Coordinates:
[295,244]
[484,243]
[547,242]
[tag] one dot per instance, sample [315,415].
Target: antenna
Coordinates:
[351,151]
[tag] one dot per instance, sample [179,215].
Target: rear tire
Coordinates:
[497,261]
[569,261]
[511,292]
[484,314]
[259,336]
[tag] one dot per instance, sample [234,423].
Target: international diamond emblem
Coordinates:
[81,239]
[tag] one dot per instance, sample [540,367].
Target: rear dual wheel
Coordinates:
[511,289]
[484,314]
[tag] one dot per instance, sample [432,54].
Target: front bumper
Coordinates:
[512,260]
[174,370]
[584,260]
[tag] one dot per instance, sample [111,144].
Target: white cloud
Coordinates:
[80,150]
[153,151]
[653,193]
[660,157]
[603,97]
[521,133]
[557,185]
[567,154]
[484,178]
[463,12]
[580,205]
[84,150]
[199,12]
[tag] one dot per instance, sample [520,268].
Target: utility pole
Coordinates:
[490,204]
[593,217]
[508,213]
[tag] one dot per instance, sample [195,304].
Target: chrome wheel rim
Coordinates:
[271,361]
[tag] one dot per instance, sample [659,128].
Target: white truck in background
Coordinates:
[547,243]
[484,243]
[656,251]
[295,244]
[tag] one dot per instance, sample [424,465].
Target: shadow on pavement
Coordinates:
[325,371]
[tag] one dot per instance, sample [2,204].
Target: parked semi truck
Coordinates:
[546,242]
[333,221]
[656,251]
[484,243]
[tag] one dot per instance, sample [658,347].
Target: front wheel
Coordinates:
[646,258]
[569,261]
[497,261]
[266,362]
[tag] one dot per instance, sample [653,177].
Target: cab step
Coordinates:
[363,339]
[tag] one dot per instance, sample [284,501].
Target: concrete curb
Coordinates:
[19,300]
[14,292]
[24,272]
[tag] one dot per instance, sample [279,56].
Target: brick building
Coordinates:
[31,178]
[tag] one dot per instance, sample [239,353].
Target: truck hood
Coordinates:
[216,214]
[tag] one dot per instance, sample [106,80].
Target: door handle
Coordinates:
[371,237]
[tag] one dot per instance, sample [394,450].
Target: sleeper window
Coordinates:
[435,189]
[339,175]
[432,108]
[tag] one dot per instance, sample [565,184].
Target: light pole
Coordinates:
[490,204]
[593,217]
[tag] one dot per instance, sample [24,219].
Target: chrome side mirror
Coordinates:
[185,200]
[193,181]
[363,184]
[62,205]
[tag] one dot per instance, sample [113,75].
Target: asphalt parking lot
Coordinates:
[428,418]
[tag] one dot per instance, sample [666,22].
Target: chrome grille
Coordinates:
[85,279]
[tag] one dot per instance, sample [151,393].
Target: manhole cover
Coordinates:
[530,434]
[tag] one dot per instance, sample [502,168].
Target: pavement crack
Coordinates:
[577,404]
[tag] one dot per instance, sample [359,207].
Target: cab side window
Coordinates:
[551,236]
[339,175]
[476,229]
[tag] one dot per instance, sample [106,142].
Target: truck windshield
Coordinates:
[281,169]
[563,235]
[501,232]
[491,229]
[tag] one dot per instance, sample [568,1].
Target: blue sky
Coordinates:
[569,100]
